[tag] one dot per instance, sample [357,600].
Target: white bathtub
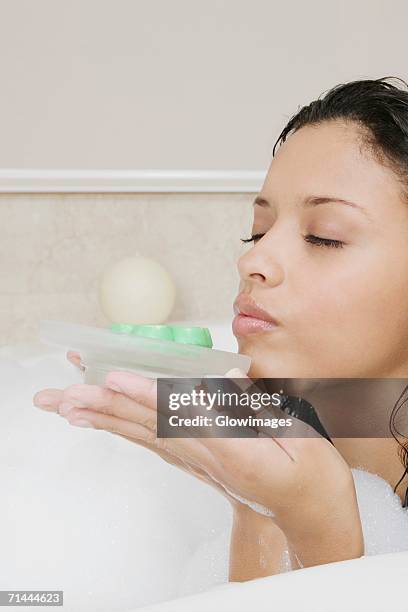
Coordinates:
[116,528]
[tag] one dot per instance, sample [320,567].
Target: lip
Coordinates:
[251,318]
[244,304]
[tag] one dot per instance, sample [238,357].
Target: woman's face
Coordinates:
[341,311]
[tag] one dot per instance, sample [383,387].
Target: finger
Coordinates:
[104,400]
[84,417]
[48,399]
[88,396]
[75,359]
[140,388]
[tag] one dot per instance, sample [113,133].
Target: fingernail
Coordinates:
[44,401]
[42,405]
[114,387]
[81,423]
[64,408]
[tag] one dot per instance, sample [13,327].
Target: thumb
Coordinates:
[236,373]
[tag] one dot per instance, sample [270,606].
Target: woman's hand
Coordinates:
[51,399]
[304,481]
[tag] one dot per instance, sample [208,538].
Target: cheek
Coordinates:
[358,318]
[371,291]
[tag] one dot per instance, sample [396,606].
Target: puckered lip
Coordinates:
[245,304]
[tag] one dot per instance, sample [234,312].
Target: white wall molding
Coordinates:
[129,181]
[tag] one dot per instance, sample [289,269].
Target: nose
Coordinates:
[261,264]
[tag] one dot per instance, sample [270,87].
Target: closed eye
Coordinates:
[253,238]
[327,242]
[311,238]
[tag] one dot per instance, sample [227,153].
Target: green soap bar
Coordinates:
[162,332]
[199,336]
[192,335]
[122,328]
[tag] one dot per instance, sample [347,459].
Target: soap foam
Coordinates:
[383,519]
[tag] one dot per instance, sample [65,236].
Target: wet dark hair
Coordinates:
[379,110]
[398,436]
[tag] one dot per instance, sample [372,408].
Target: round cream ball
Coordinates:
[137,290]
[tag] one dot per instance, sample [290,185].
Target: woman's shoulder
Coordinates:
[383,519]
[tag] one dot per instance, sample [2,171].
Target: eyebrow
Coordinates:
[312,201]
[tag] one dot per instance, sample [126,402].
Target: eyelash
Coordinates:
[314,240]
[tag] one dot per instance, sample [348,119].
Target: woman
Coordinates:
[323,293]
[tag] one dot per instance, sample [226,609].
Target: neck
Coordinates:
[357,407]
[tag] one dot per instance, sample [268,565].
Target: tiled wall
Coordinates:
[54,248]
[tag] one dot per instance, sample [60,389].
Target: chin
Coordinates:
[259,359]
[267,363]
[261,364]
